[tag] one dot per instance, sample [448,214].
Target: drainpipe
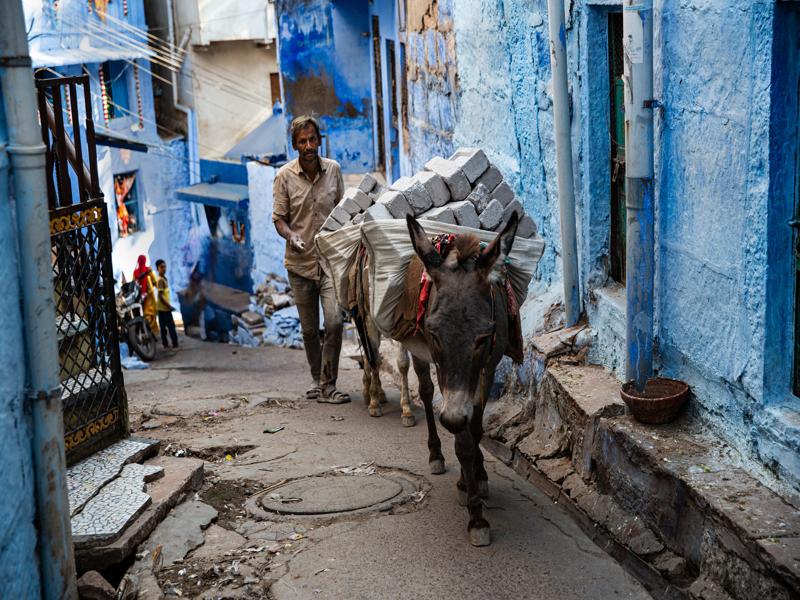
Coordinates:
[566,188]
[637,29]
[191,123]
[27,153]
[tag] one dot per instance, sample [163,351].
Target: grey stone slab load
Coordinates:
[396,203]
[437,188]
[453,176]
[491,178]
[86,478]
[465,214]
[472,161]
[443,214]
[415,193]
[492,215]
[438,194]
[479,197]
[367,183]
[107,514]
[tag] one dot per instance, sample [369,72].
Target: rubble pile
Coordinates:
[272,317]
[465,189]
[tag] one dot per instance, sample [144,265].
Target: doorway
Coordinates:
[617,155]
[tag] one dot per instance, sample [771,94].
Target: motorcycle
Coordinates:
[132,324]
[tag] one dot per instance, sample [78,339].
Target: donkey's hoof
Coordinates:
[375,411]
[463,498]
[408,420]
[437,466]
[480,537]
[483,489]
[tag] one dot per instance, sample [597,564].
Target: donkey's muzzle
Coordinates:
[454,421]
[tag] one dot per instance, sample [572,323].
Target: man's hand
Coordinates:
[297,242]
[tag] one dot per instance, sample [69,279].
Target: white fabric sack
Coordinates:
[338,251]
[389,246]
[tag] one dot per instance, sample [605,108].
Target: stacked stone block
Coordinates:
[465,189]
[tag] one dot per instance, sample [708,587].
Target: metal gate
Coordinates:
[92,387]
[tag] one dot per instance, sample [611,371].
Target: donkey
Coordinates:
[370,338]
[465,333]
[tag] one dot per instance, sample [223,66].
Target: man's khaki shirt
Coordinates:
[304,205]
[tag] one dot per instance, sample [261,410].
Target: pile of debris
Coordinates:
[465,190]
[272,317]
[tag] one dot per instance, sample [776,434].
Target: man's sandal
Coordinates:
[313,393]
[334,396]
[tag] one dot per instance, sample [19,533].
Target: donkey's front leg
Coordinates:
[403,363]
[435,456]
[478,526]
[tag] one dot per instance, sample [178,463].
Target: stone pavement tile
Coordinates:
[747,504]
[218,541]
[181,531]
[193,406]
[592,390]
[106,515]
[556,469]
[85,478]
[180,476]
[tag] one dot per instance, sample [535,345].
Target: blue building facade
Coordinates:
[139,165]
[726,177]
[18,536]
[324,60]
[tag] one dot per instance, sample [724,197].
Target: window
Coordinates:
[617,122]
[128,208]
[275,87]
[115,74]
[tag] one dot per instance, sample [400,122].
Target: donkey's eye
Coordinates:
[482,340]
[436,344]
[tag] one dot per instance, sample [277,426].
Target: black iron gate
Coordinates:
[92,387]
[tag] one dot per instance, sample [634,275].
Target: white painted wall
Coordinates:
[226,73]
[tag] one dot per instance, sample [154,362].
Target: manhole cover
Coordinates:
[331,494]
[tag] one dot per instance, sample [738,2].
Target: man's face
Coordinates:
[162,269]
[307,143]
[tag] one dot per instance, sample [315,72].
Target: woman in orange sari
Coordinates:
[147,284]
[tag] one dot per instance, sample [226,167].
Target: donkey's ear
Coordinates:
[500,247]
[422,244]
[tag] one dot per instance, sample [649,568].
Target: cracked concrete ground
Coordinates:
[217,402]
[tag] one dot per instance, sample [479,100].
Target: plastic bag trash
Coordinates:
[133,363]
[275,429]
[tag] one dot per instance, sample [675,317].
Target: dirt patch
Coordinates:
[229,497]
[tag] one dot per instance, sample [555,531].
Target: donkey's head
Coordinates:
[460,324]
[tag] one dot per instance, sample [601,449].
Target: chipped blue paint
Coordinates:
[324,62]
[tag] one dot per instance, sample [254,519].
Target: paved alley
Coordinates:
[239,410]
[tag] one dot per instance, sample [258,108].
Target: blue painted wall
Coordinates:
[324,61]
[725,140]
[433,79]
[19,575]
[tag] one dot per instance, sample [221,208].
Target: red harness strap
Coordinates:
[440,242]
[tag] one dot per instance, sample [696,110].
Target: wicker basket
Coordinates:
[660,402]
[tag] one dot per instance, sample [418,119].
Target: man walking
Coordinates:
[165,320]
[305,192]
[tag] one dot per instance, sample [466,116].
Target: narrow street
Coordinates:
[218,402]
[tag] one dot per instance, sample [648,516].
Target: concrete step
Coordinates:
[180,475]
[671,502]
